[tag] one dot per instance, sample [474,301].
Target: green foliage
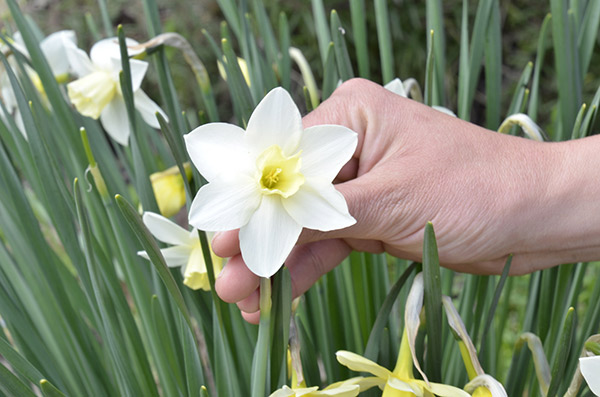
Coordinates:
[83,314]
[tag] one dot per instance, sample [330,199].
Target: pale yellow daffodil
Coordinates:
[169,189]
[97,92]
[185,251]
[401,382]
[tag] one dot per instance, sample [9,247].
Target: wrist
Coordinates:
[563,202]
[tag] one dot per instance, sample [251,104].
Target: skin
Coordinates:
[488,195]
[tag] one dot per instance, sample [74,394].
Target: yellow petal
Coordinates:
[360,364]
[169,191]
[195,275]
[279,174]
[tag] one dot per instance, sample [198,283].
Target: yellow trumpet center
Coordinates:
[277,173]
[91,94]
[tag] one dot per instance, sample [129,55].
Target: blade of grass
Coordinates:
[384,37]
[565,341]
[493,70]
[261,361]
[341,51]
[435,22]
[359,30]
[432,304]
[321,29]
[534,101]
[568,71]
[372,349]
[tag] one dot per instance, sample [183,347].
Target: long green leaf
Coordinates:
[432,304]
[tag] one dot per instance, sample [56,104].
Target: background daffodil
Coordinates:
[97,92]
[590,369]
[185,252]
[271,180]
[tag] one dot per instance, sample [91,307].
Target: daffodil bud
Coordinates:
[169,189]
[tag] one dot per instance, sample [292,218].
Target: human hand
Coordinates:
[486,194]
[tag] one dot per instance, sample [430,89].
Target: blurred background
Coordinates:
[520,25]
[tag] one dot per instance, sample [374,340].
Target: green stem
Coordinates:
[260,363]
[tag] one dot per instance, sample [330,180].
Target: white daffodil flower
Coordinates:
[97,92]
[185,251]
[403,89]
[590,369]
[54,47]
[271,180]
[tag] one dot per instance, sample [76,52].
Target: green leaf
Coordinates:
[342,57]
[372,349]
[359,30]
[137,226]
[565,341]
[261,361]
[321,29]
[435,22]
[432,304]
[534,102]
[384,37]
[12,385]
[49,390]
[568,70]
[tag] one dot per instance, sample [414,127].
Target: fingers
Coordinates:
[226,244]
[236,282]
[307,263]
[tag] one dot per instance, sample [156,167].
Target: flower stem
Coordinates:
[260,362]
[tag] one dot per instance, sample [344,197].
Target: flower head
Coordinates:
[400,382]
[271,180]
[169,190]
[97,92]
[185,251]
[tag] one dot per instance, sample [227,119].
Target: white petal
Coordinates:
[322,208]
[115,121]
[79,61]
[444,110]
[148,108]
[55,47]
[275,121]
[285,391]
[225,205]
[442,390]
[360,364]
[176,256]
[268,238]
[218,149]
[396,87]
[103,51]
[495,387]
[165,230]
[325,150]
[401,385]
[138,71]
[590,369]
[412,320]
